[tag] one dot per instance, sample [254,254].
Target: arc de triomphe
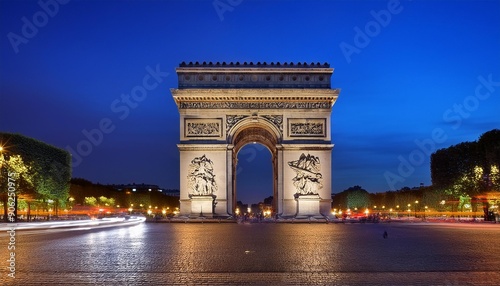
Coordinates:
[284,106]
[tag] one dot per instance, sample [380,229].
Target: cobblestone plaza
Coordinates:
[260,254]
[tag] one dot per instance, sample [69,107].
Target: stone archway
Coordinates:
[255,133]
[285,107]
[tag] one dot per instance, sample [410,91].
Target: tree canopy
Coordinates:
[43,171]
[468,168]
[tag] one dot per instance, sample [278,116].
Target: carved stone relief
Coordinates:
[255,105]
[201,178]
[307,180]
[277,120]
[307,127]
[195,127]
[231,120]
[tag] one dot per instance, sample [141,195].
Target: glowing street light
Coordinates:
[416,203]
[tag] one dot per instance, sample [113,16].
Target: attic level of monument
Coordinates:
[249,75]
[258,64]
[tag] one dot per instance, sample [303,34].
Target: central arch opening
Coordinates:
[255,149]
[254,179]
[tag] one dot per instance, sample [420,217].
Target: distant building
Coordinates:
[136,188]
[143,188]
[172,193]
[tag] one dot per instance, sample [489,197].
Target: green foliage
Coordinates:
[90,201]
[103,201]
[353,197]
[22,173]
[48,167]
[81,189]
[468,168]
[22,204]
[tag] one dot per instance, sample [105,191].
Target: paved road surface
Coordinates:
[258,254]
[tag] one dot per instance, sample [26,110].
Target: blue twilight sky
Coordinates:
[414,76]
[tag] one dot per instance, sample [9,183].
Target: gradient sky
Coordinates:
[424,71]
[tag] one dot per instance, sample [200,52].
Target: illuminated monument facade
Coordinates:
[284,106]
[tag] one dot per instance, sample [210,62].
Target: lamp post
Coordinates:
[71,200]
[416,203]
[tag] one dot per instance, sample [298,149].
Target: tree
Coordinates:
[469,168]
[489,146]
[353,197]
[48,169]
[13,170]
[90,201]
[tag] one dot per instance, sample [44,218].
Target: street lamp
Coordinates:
[409,206]
[71,200]
[416,203]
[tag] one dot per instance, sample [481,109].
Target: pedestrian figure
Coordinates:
[385,234]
